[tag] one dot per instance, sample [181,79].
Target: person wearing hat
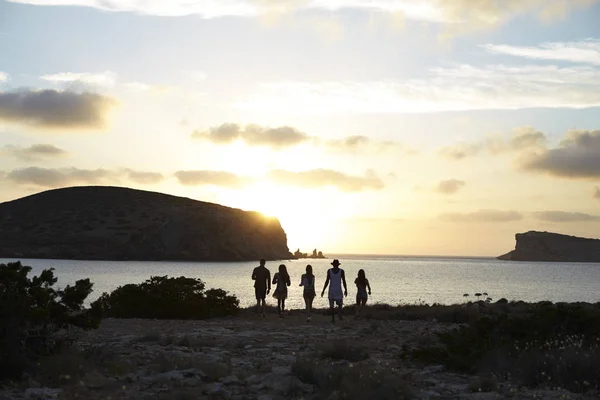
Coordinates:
[335,279]
[262,286]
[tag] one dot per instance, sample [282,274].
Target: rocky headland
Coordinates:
[547,246]
[116,223]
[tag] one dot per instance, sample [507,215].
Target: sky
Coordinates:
[416,127]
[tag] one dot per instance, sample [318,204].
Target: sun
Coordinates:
[304,214]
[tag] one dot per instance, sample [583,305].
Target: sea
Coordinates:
[394,279]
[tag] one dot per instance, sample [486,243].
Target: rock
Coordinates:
[95,380]
[547,246]
[116,223]
[42,393]
[230,380]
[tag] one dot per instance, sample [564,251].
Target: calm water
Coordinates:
[394,280]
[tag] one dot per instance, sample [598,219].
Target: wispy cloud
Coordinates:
[586,51]
[524,138]
[60,177]
[319,178]
[564,216]
[254,135]
[34,152]
[51,177]
[450,186]
[55,109]
[577,156]
[459,88]
[483,216]
[212,178]
[102,79]
[463,15]
[3,77]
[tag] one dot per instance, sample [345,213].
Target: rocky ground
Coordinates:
[250,358]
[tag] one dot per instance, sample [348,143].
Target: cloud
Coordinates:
[318,178]
[458,88]
[34,152]
[459,15]
[214,178]
[525,138]
[102,79]
[198,75]
[143,177]
[585,51]
[597,193]
[3,77]
[577,156]
[483,216]
[253,135]
[50,177]
[563,216]
[55,109]
[450,186]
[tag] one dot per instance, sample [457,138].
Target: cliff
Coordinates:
[115,223]
[547,246]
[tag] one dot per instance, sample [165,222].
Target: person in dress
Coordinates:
[308,282]
[362,284]
[335,279]
[282,280]
[262,286]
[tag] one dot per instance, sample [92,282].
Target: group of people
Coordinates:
[335,280]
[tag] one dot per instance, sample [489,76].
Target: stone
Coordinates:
[42,393]
[547,246]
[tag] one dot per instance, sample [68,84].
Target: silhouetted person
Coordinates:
[282,280]
[262,286]
[308,282]
[335,278]
[362,284]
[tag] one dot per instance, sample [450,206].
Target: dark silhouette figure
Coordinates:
[362,284]
[335,279]
[262,286]
[282,280]
[308,282]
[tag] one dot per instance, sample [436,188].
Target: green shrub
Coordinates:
[162,297]
[32,313]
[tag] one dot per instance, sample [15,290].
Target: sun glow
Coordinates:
[306,215]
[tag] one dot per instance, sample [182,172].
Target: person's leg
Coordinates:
[357,305]
[264,306]
[306,300]
[331,310]
[279,306]
[282,306]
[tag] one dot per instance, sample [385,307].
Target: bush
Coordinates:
[541,344]
[32,313]
[162,297]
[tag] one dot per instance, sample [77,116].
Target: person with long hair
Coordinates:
[282,280]
[308,282]
[362,284]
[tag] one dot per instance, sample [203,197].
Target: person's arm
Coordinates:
[301,281]
[254,274]
[268,281]
[344,282]
[326,283]
[275,279]
[288,280]
[369,286]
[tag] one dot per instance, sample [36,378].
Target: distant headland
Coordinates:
[117,223]
[547,246]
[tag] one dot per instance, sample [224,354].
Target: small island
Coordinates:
[315,254]
[548,246]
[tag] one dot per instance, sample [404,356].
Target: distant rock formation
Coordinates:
[315,254]
[547,246]
[115,223]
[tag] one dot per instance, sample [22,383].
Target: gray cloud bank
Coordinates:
[215,178]
[55,109]
[33,152]
[59,177]
[254,135]
[564,216]
[483,216]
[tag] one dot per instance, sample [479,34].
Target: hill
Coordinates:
[547,246]
[116,223]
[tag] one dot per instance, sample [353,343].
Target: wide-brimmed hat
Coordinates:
[335,262]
